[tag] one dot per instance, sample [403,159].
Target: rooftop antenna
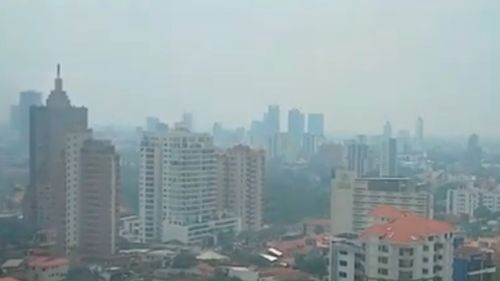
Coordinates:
[58,70]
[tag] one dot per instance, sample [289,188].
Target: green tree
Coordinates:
[81,274]
[184,260]
[483,212]
[313,264]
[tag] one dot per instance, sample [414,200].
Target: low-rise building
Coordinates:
[473,263]
[47,269]
[398,246]
[130,228]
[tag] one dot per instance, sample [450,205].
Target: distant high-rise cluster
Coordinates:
[298,142]
[74,179]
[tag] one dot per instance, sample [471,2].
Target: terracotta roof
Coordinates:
[45,262]
[407,229]
[285,274]
[386,211]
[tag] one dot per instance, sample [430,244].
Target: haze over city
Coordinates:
[359,62]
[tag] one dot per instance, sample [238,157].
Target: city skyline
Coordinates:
[449,84]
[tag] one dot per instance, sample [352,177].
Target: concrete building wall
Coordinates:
[240,183]
[99,200]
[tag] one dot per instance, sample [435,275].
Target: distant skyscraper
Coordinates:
[296,124]
[388,158]
[14,117]
[357,157]
[45,199]
[404,142]
[20,115]
[187,119]
[419,134]
[178,188]
[387,130]
[473,154]
[152,123]
[92,187]
[241,180]
[273,120]
[316,124]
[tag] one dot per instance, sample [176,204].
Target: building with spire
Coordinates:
[45,199]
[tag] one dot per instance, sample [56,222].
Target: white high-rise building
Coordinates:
[399,245]
[353,199]
[389,158]
[178,188]
[241,178]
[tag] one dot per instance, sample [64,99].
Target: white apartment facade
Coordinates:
[466,198]
[178,188]
[353,199]
[130,228]
[240,181]
[408,247]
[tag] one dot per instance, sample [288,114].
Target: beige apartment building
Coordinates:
[241,172]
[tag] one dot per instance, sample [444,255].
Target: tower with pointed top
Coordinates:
[45,201]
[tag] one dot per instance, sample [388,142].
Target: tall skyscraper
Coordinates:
[388,158]
[187,119]
[178,188]
[473,154]
[296,123]
[20,115]
[92,192]
[241,179]
[27,99]
[387,130]
[419,134]
[273,120]
[45,200]
[316,124]
[357,157]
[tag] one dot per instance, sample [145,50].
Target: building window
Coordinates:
[342,274]
[383,271]
[343,263]
[426,248]
[383,248]
[425,271]
[383,260]
[405,275]
[406,251]
[344,253]
[425,260]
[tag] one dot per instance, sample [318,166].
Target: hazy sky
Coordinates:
[360,62]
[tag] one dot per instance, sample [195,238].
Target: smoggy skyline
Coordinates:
[360,63]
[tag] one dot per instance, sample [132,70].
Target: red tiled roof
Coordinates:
[44,262]
[407,229]
[386,211]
